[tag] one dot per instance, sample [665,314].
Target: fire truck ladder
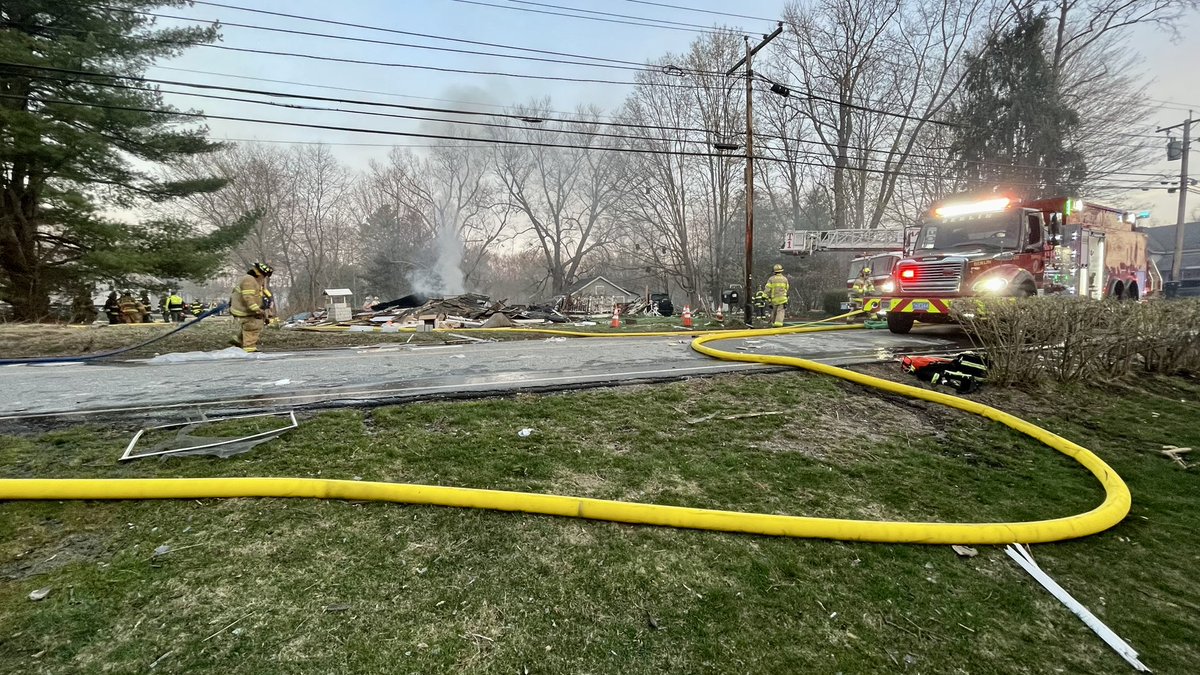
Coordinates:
[804,242]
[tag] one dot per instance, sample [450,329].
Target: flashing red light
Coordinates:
[908,273]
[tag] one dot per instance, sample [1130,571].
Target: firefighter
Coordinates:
[144,305]
[246,303]
[131,310]
[761,303]
[777,290]
[861,287]
[196,308]
[175,307]
[112,308]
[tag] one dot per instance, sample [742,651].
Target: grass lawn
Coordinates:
[329,586]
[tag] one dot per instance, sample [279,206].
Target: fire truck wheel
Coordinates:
[900,323]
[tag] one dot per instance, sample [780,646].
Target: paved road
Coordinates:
[400,372]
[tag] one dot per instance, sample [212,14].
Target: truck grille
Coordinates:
[941,276]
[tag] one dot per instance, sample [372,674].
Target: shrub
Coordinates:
[1073,339]
[831,301]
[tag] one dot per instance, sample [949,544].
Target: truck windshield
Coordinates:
[994,230]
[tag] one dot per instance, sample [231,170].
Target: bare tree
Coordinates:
[873,76]
[315,224]
[1098,73]
[566,194]
[451,204]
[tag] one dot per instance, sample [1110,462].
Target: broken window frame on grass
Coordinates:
[253,439]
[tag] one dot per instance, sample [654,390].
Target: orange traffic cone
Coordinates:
[616,320]
[687,316]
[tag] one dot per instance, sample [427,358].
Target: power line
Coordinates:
[486,141]
[408,33]
[514,116]
[525,117]
[249,50]
[641,66]
[632,65]
[622,16]
[590,18]
[702,11]
[391,43]
[385,64]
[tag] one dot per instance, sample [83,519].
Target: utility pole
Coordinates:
[748,61]
[1181,215]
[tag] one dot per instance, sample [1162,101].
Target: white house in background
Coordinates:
[598,296]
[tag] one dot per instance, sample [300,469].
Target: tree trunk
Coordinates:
[28,296]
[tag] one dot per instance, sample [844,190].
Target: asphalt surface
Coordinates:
[173,384]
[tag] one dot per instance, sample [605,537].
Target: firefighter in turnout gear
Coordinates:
[131,309]
[777,290]
[246,304]
[762,304]
[175,307]
[861,287]
[112,308]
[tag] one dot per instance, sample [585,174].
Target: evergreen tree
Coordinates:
[75,139]
[1014,126]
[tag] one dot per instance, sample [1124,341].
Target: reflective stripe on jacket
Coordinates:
[246,299]
[777,289]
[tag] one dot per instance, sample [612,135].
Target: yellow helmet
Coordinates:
[778,269]
[866,270]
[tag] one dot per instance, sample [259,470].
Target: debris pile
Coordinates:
[470,310]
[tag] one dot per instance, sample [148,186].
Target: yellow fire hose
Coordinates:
[1110,512]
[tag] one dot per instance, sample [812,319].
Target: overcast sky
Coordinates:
[1170,66]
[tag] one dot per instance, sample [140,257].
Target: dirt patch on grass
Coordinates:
[568,482]
[74,548]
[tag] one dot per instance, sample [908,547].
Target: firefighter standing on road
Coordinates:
[777,290]
[860,288]
[246,305]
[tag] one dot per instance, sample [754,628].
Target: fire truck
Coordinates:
[1005,246]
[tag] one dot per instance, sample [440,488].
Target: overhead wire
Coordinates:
[494,141]
[625,22]
[815,95]
[630,65]
[615,14]
[699,10]
[685,70]
[524,117]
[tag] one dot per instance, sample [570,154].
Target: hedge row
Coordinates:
[1079,340]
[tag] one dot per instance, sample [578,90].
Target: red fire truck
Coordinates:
[1005,246]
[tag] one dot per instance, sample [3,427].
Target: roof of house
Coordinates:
[337,292]
[1162,238]
[615,287]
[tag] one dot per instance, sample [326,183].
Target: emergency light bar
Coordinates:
[968,208]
